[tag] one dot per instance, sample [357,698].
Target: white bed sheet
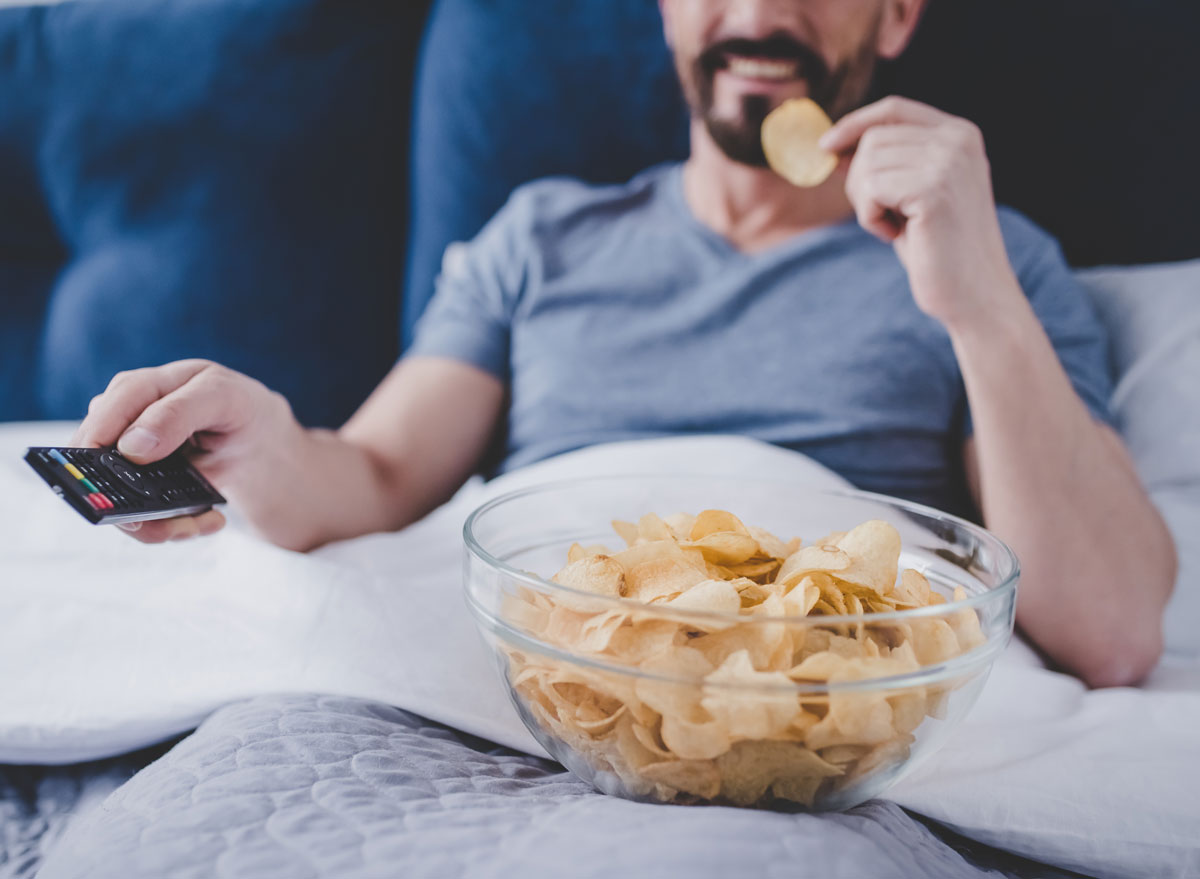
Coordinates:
[106,645]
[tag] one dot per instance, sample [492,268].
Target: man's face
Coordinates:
[739,59]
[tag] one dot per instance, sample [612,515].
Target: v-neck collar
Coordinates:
[724,249]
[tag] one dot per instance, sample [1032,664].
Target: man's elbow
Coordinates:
[1130,657]
[1134,643]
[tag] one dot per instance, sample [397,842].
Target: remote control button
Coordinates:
[57,456]
[126,474]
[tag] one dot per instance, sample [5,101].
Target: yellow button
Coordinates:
[73,470]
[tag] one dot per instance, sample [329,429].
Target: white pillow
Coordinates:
[1153,315]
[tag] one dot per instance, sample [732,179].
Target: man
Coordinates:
[931,348]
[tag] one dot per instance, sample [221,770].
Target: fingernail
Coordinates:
[129,526]
[825,139]
[137,441]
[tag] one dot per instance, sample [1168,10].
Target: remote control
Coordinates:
[105,487]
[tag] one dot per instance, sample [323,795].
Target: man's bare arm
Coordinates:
[1098,563]
[410,445]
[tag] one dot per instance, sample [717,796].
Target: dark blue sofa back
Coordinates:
[202,178]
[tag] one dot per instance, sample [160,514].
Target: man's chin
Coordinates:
[740,137]
[741,142]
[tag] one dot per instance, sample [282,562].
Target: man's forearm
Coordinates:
[1098,563]
[317,487]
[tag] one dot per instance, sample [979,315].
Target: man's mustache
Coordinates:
[779,46]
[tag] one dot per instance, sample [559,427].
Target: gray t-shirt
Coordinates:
[611,313]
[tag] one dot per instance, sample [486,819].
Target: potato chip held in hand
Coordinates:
[789,140]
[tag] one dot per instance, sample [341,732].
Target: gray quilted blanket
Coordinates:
[38,804]
[311,786]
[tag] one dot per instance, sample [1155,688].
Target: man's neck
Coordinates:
[754,208]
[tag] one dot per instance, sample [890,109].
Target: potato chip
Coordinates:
[753,569]
[789,140]
[715,522]
[965,624]
[762,640]
[725,547]
[874,548]
[675,697]
[627,531]
[631,752]
[680,524]
[697,777]
[596,631]
[771,546]
[754,704]
[711,596]
[801,598]
[748,769]
[726,698]
[880,758]
[650,740]
[912,590]
[659,569]
[840,755]
[525,612]
[821,558]
[636,643]
[600,574]
[934,641]
[694,740]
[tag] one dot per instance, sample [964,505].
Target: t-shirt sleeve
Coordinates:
[1066,313]
[470,315]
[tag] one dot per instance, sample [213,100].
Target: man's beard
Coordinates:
[741,139]
[837,91]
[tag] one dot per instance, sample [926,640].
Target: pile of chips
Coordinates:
[722,694]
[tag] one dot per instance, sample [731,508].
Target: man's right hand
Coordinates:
[231,421]
[409,446]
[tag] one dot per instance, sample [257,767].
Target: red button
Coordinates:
[93,499]
[108,505]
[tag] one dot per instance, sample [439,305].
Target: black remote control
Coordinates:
[105,487]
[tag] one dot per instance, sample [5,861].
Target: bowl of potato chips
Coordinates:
[706,640]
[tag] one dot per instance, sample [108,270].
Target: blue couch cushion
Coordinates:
[1087,114]
[505,95]
[202,178]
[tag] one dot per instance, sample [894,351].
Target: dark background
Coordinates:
[1090,110]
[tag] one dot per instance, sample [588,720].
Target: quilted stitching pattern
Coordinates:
[305,786]
[38,803]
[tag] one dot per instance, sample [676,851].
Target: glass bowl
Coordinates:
[822,712]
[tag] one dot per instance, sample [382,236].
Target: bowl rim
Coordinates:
[1007,585]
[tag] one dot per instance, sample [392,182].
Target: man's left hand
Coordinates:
[919,179]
